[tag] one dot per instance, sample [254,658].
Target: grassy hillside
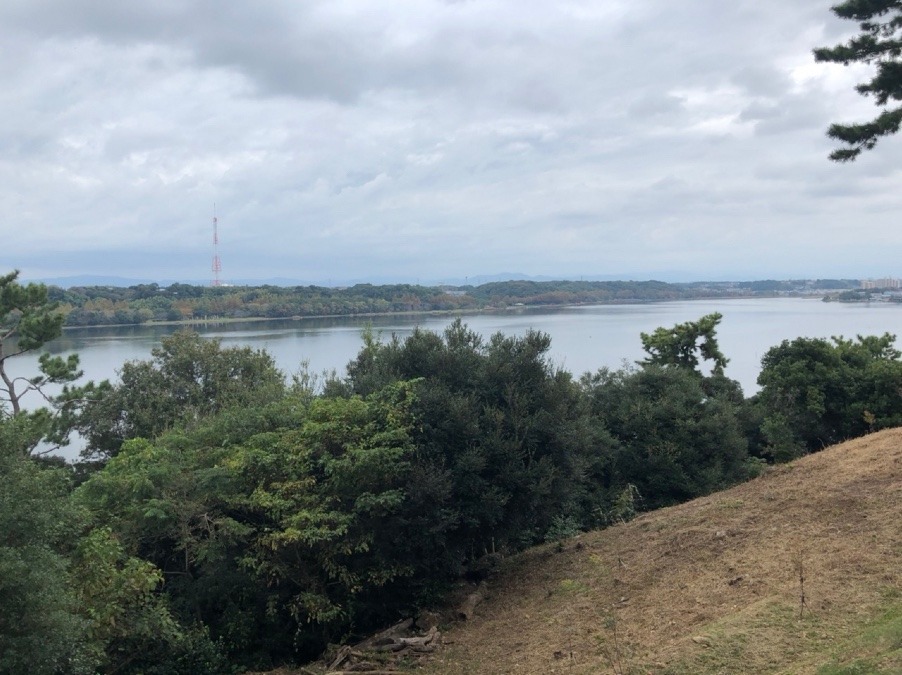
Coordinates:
[713,586]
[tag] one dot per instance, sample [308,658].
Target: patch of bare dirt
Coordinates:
[759,578]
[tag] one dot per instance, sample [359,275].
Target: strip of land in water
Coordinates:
[183,304]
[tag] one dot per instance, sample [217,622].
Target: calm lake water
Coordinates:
[583,338]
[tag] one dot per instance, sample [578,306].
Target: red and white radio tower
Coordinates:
[217,263]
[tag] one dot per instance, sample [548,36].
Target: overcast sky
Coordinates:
[422,139]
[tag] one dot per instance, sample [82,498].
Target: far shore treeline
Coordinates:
[224,517]
[144,303]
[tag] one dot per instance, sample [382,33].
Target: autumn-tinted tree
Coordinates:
[879,43]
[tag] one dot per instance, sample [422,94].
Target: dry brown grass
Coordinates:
[711,586]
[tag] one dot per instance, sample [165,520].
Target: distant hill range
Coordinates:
[100,280]
[477,280]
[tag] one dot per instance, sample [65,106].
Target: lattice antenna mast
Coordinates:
[217,263]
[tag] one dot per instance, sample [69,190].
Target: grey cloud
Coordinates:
[760,111]
[351,139]
[287,48]
[762,80]
[795,112]
[655,105]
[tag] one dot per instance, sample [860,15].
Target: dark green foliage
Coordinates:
[130,626]
[503,293]
[860,295]
[817,392]
[73,601]
[41,630]
[26,313]
[879,43]
[187,379]
[339,526]
[237,516]
[168,503]
[684,343]
[677,435]
[766,285]
[501,433]
[276,527]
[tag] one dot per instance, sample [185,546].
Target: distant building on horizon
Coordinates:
[886,282]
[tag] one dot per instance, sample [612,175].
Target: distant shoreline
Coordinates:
[252,319]
[425,312]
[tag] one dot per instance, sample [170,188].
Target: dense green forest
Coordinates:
[224,517]
[109,305]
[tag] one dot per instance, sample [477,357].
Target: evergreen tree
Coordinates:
[676,435]
[28,321]
[816,392]
[684,343]
[879,43]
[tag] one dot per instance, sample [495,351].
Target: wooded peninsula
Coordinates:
[145,303]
